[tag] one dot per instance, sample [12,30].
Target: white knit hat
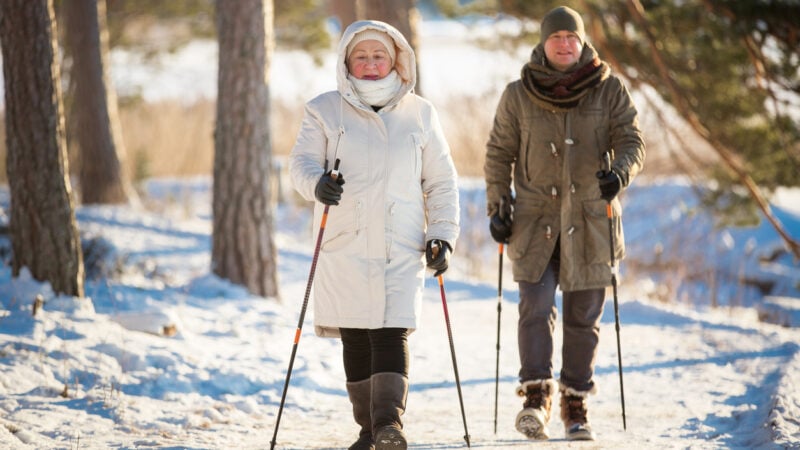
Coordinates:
[371,34]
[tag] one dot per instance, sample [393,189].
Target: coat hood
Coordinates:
[405,62]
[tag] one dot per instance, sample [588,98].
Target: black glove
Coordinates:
[329,190]
[609,184]
[500,228]
[500,223]
[437,260]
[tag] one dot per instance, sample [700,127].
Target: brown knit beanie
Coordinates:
[562,18]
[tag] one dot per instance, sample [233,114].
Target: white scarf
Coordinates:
[377,92]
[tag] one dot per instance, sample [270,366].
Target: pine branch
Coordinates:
[726,154]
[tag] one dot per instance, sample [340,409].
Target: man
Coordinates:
[554,131]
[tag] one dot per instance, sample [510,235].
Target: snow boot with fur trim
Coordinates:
[532,420]
[575,414]
[389,393]
[359,393]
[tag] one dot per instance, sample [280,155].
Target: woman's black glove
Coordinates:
[329,189]
[437,255]
[609,184]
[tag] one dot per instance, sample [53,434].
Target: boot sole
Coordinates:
[390,439]
[363,443]
[579,433]
[530,423]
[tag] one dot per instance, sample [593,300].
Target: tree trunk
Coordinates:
[243,248]
[94,105]
[345,10]
[401,14]
[44,233]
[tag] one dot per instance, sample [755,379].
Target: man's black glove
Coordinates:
[609,184]
[329,189]
[500,223]
[437,255]
[500,228]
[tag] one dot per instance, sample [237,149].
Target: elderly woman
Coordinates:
[396,213]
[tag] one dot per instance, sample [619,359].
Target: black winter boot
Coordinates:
[389,393]
[359,393]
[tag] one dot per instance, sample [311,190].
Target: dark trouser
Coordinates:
[537,318]
[367,352]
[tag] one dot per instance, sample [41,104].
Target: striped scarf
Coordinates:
[559,91]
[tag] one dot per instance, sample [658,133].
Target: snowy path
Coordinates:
[691,380]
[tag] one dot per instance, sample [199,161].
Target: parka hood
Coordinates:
[405,62]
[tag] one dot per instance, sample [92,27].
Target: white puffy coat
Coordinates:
[400,191]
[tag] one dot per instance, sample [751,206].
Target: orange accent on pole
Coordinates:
[335,173]
[609,214]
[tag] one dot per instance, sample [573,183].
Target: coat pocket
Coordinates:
[342,228]
[404,164]
[416,155]
[528,227]
[596,237]
[338,241]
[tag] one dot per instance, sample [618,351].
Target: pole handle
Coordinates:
[436,247]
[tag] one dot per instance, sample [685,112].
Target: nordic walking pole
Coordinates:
[314,259]
[436,246]
[610,215]
[499,310]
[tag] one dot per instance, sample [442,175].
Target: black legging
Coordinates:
[366,352]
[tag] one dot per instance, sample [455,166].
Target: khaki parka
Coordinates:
[400,191]
[552,158]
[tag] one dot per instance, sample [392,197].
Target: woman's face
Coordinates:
[563,49]
[369,60]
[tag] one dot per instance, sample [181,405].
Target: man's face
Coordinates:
[563,49]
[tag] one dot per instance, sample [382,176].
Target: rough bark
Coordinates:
[44,233]
[345,10]
[243,250]
[95,123]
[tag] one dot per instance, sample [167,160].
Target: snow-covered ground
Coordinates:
[165,355]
